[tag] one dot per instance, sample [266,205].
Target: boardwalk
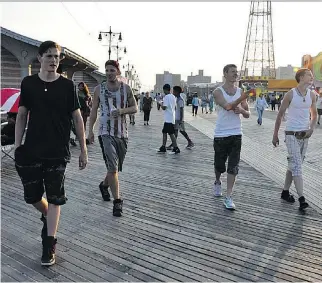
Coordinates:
[173,229]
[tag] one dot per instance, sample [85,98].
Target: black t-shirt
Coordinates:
[50,114]
[147,103]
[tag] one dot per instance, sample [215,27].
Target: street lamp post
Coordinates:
[119,49]
[128,72]
[110,34]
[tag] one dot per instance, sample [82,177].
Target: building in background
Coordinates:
[166,78]
[286,73]
[200,78]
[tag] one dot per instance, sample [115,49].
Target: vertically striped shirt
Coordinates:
[108,100]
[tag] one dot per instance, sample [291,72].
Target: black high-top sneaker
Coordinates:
[162,149]
[175,150]
[44,228]
[285,195]
[117,208]
[48,251]
[104,192]
[303,203]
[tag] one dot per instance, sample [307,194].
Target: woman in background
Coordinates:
[260,105]
[147,106]
[85,101]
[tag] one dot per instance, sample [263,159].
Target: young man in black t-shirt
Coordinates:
[51,102]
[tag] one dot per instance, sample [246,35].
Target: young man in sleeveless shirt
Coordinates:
[300,102]
[115,100]
[228,133]
[51,102]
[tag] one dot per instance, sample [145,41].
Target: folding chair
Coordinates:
[6,149]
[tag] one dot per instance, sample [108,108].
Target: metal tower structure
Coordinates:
[258,58]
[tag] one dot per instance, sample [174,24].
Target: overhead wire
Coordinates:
[75,20]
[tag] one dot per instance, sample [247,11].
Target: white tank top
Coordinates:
[298,118]
[228,123]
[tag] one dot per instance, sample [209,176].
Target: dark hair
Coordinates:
[177,89]
[113,63]
[85,88]
[227,67]
[166,87]
[300,73]
[11,115]
[46,45]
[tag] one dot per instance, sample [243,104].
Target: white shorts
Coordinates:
[296,153]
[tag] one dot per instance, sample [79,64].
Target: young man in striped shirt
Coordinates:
[115,100]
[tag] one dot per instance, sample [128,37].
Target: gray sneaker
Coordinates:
[217,189]
[229,204]
[190,146]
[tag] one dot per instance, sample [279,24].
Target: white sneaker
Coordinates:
[217,189]
[229,204]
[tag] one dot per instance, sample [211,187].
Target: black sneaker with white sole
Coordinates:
[48,251]
[285,195]
[104,191]
[162,149]
[303,203]
[117,207]
[175,150]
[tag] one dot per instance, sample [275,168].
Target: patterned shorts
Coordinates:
[39,176]
[179,126]
[114,151]
[296,153]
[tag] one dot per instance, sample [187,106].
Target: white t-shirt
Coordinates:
[169,101]
[319,103]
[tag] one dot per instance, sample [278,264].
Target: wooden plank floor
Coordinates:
[173,229]
[258,151]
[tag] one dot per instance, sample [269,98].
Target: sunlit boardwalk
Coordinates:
[172,229]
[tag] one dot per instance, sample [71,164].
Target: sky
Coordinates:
[179,37]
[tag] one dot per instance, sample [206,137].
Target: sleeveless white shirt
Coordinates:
[228,123]
[298,118]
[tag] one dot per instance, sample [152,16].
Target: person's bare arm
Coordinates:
[245,109]
[314,115]
[93,115]
[285,104]
[131,103]
[220,100]
[79,127]
[20,126]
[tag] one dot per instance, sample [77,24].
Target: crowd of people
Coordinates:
[53,108]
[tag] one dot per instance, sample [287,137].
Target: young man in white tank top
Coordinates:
[300,102]
[231,102]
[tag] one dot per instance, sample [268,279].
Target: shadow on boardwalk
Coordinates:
[173,229]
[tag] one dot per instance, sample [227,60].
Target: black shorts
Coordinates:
[227,148]
[168,128]
[319,111]
[39,176]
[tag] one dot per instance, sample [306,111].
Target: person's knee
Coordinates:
[233,170]
[220,168]
[32,199]
[56,199]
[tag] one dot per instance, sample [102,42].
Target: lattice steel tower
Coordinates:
[258,58]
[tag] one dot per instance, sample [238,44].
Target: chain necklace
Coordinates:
[300,94]
[45,86]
